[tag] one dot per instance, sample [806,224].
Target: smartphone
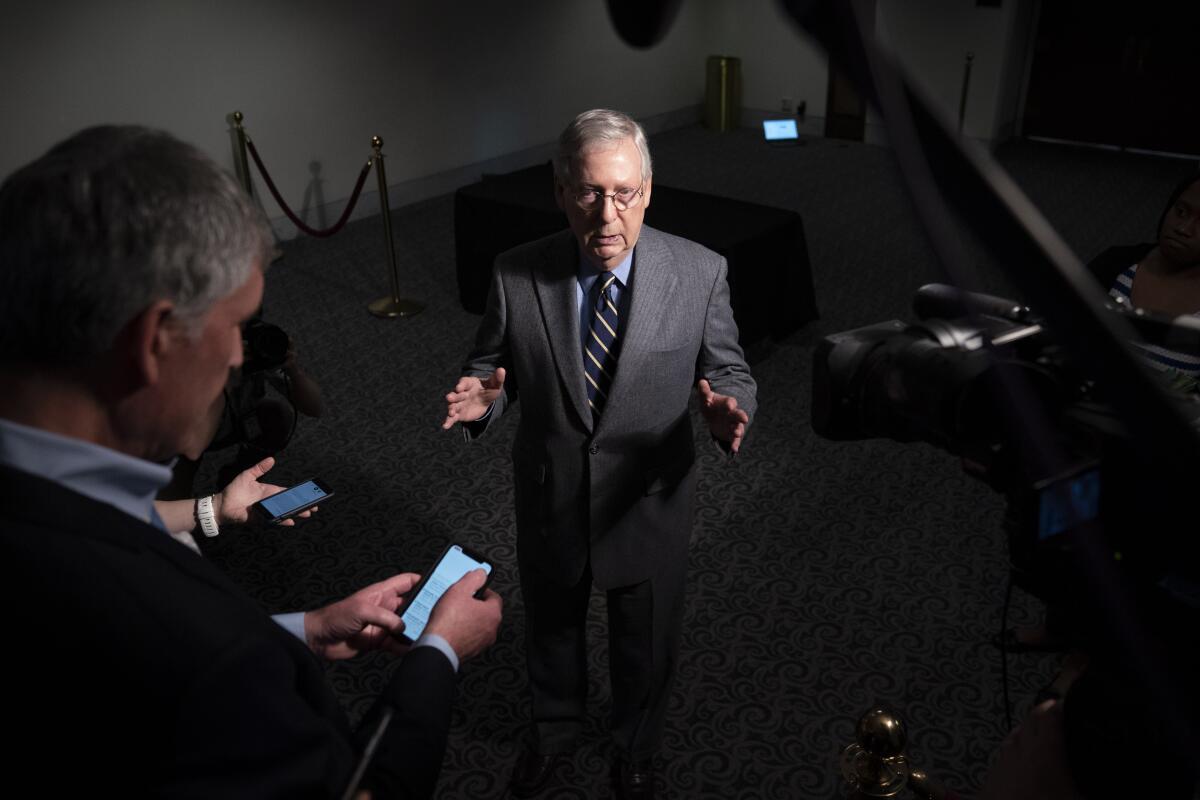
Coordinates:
[454,563]
[290,502]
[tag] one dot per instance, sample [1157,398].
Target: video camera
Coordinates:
[983,378]
[266,346]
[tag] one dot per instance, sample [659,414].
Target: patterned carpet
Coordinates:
[824,577]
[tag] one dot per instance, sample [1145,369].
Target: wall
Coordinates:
[778,60]
[931,39]
[1018,60]
[444,84]
[454,89]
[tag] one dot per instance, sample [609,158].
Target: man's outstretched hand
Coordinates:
[366,620]
[725,420]
[472,397]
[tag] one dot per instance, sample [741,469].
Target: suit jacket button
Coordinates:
[594,449]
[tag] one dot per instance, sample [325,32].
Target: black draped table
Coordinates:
[770,280]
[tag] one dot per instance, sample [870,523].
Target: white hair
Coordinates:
[600,125]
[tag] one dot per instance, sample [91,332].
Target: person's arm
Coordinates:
[1032,761]
[253,724]
[486,387]
[368,619]
[409,755]
[472,402]
[301,752]
[728,393]
[422,691]
[302,390]
[231,506]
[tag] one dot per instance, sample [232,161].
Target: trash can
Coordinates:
[723,93]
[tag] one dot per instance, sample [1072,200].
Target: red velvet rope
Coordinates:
[337,226]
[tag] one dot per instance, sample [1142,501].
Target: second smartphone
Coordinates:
[291,502]
[455,562]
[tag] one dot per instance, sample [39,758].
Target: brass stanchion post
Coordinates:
[393,306]
[240,164]
[966,85]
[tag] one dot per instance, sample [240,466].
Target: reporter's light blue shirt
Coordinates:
[122,481]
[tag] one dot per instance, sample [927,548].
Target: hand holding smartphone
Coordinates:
[293,501]
[454,563]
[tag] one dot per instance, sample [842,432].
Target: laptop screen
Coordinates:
[776,129]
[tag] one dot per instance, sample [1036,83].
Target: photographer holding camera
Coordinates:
[259,422]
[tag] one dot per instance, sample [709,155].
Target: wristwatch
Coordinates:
[206,517]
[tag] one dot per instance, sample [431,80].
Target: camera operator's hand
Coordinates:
[366,620]
[305,393]
[1032,760]
[468,625]
[472,397]
[232,504]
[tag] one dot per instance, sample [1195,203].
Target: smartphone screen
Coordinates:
[294,499]
[453,564]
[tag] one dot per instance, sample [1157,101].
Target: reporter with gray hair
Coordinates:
[128,261]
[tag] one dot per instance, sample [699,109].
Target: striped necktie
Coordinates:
[600,354]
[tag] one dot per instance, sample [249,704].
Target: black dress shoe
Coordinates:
[633,780]
[532,772]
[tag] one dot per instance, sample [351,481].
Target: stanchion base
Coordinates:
[390,308]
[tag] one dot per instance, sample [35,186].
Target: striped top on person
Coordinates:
[1182,368]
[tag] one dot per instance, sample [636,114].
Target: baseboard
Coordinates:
[419,189]
[877,134]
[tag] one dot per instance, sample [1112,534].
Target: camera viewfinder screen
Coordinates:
[1069,503]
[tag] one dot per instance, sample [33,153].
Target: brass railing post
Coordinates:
[393,306]
[240,164]
[966,85]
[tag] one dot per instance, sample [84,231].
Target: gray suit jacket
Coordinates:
[619,494]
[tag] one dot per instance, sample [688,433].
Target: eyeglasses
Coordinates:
[623,199]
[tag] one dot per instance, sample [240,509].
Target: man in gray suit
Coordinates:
[604,330]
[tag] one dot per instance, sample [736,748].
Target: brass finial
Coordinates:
[881,733]
[377,142]
[875,766]
[237,117]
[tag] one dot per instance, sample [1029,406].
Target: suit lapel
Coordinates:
[556,284]
[652,283]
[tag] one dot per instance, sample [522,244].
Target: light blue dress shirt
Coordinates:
[585,297]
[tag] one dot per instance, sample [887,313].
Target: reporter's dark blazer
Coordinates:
[133,667]
[617,495]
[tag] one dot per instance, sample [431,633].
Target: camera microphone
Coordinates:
[940,300]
